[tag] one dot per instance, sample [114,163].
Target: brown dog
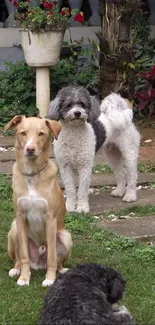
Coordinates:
[37,237]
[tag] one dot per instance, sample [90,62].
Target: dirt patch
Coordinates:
[147,149]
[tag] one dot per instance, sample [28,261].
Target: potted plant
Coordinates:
[42,33]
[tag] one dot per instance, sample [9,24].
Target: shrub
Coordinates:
[17,83]
[143,59]
[145,93]
[145,254]
[17,91]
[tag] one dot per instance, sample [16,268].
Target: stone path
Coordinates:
[101,203]
[139,228]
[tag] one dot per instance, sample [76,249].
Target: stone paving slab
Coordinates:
[6,167]
[96,180]
[7,155]
[101,203]
[7,141]
[109,179]
[139,228]
[10,155]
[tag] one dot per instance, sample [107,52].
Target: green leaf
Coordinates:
[74,11]
[132,66]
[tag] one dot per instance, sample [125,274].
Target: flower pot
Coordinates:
[43,48]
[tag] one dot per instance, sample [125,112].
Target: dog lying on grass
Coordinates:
[85,296]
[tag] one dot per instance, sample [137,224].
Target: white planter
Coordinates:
[43,48]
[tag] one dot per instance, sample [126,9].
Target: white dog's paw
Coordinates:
[47,283]
[70,206]
[118,192]
[64,270]
[14,272]
[83,207]
[122,310]
[126,317]
[23,282]
[130,197]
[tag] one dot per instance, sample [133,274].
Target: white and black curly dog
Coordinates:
[85,296]
[86,126]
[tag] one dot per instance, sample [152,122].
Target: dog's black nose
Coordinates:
[77,114]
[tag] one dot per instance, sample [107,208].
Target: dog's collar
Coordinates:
[36,173]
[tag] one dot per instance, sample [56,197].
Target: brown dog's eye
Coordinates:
[41,134]
[23,133]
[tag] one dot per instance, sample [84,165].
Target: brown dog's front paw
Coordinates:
[47,283]
[63,270]
[23,282]
[14,272]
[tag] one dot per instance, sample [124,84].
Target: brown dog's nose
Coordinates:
[30,149]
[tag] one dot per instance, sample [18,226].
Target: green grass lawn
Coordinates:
[136,262]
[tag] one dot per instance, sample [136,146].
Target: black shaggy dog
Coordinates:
[84,296]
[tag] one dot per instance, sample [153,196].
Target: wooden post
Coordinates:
[42,90]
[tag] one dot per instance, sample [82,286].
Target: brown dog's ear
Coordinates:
[12,125]
[54,127]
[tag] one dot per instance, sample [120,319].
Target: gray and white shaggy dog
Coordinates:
[76,144]
[85,296]
[86,126]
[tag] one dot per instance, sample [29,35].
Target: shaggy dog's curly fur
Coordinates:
[84,296]
[86,126]
[76,144]
[121,145]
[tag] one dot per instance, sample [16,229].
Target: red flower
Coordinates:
[62,12]
[48,5]
[10,0]
[65,11]
[50,14]
[79,17]
[15,3]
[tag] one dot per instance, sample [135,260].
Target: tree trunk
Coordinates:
[115,45]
